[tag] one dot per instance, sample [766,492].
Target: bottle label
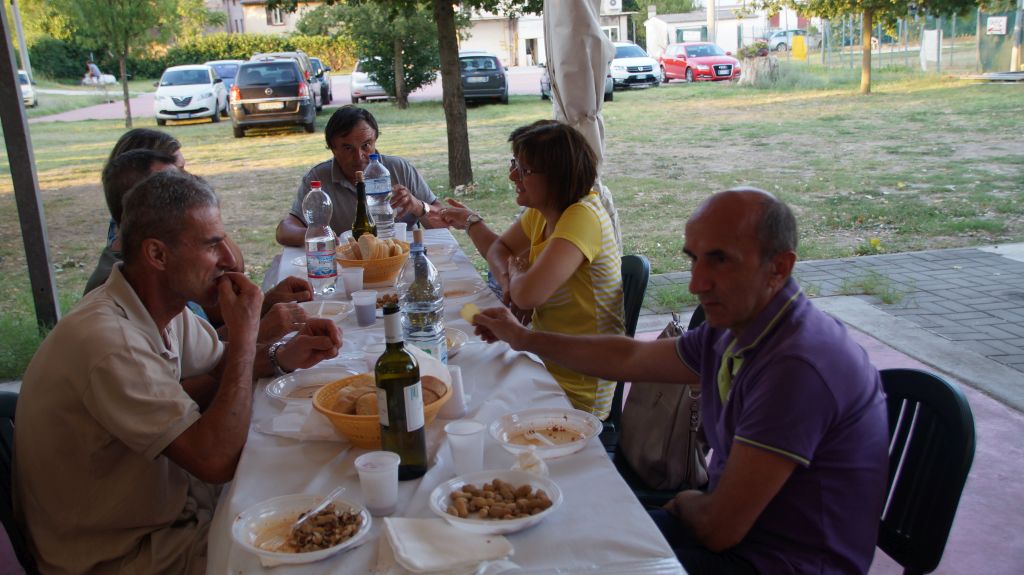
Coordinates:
[320,265]
[437,349]
[414,406]
[382,407]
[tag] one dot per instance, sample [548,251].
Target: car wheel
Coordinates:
[689,74]
[355,100]
[544,96]
[310,127]
[504,98]
[781,47]
[664,76]
[216,116]
[224,112]
[239,132]
[609,96]
[161,122]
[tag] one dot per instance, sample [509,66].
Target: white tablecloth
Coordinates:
[600,527]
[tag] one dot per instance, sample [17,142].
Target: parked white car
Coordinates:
[632,67]
[362,87]
[188,92]
[28,93]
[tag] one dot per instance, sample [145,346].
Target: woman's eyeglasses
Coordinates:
[522,172]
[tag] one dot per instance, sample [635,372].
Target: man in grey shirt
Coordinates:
[351,135]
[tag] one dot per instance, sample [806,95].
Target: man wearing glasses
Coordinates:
[351,135]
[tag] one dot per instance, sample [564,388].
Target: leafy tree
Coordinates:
[194,18]
[460,169]
[324,20]
[39,20]
[121,26]
[886,12]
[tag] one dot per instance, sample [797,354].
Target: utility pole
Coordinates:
[22,49]
[712,13]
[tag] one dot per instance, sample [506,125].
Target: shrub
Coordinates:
[57,58]
[757,49]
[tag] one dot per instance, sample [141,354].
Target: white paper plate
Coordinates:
[456,339]
[334,310]
[439,499]
[300,386]
[544,420]
[259,522]
[463,290]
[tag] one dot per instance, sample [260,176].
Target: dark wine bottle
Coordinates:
[363,223]
[400,400]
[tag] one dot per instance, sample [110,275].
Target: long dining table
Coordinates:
[599,528]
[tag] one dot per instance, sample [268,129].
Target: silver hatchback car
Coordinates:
[362,86]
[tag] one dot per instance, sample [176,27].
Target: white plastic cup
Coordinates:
[378,479]
[466,440]
[352,278]
[400,231]
[455,407]
[365,302]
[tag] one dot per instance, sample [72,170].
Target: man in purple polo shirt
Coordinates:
[792,406]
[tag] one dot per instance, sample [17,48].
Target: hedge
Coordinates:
[59,59]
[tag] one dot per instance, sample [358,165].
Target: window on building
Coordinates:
[612,32]
[275,17]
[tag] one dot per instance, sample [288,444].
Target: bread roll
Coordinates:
[347,397]
[433,389]
[357,254]
[368,245]
[367,404]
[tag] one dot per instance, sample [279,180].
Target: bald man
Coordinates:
[792,407]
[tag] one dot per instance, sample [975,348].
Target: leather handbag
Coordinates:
[661,437]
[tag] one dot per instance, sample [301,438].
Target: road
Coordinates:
[521,81]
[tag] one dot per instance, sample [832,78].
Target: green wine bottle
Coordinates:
[363,222]
[400,400]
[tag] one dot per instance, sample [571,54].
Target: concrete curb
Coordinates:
[990,377]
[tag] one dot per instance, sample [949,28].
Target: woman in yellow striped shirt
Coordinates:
[560,259]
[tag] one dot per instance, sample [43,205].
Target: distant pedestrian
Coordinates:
[92,73]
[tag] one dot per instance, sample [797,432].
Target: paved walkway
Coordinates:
[961,311]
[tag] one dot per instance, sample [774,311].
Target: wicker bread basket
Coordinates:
[363,430]
[383,270]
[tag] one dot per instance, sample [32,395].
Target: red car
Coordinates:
[697,61]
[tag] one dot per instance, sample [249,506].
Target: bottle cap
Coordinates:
[315,184]
[359,176]
[417,236]
[374,156]
[390,308]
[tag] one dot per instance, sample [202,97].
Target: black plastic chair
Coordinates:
[8,404]
[636,270]
[696,319]
[931,448]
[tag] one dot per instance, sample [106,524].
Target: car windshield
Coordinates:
[22,78]
[226,71]
[478,63]
[268,73]
[631,51]
[704,50]
[185,77]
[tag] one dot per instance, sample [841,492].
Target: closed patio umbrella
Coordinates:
[578,54]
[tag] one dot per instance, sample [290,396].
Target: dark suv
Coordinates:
[271,92]
[483,76]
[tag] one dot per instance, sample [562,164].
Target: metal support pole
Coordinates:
[26,185]
[938,39]
[26,65]
[952,41]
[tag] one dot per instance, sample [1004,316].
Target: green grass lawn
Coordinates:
[923,162]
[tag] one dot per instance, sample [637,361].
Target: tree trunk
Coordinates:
[401,96]
[122,61]
[865,56]
[460,168]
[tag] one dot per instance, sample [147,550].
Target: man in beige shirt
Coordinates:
[132,410]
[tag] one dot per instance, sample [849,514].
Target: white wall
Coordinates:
[255,16]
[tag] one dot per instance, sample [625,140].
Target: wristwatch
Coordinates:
[272,356]
[472,219]
[426,209]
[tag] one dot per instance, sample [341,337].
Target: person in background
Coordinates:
[351,135]
[122,172]
[132,411]
[793,408]
[559,259]
[92,73]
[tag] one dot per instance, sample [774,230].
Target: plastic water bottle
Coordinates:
[423,303]
[321,242]
[378,197]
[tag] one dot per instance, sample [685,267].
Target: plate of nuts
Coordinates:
[495,502]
